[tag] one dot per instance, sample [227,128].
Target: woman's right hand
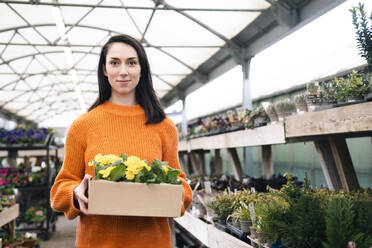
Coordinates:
[80,196]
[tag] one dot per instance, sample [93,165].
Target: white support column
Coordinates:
[247,103]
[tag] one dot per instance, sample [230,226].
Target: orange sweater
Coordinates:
[115,129]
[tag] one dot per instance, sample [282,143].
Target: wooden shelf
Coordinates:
[9,214]
[355,118]
[266,135]
[208,234]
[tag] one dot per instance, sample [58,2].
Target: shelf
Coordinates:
[9,214]
[355,118]
[208,234]
[25,147]
[270,134]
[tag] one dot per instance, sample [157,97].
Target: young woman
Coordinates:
[126,118]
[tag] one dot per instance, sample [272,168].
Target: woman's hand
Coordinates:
[80,196]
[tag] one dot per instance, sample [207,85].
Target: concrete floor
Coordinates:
[64,236]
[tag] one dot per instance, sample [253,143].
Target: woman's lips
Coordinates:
[123,82]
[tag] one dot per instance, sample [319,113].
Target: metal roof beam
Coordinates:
[77,22]
[128,7]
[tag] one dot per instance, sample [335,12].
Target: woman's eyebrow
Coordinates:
[127,58]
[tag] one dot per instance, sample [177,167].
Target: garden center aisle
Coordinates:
[64,236]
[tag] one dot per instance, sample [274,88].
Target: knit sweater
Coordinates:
[115,129]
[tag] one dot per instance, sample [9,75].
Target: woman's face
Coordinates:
[122,68]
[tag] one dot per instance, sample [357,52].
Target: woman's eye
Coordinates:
[132,62]
[113,63]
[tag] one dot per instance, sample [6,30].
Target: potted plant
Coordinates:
[328,93]
[357,87]
[341,89]
[285,108]
[245,219]
[363,26]
[313,96]
[234,218]
[259,117]
[271,112]
[300,102]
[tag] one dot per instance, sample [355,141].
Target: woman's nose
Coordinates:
[123,70]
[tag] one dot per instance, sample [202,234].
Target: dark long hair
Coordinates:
[145,93]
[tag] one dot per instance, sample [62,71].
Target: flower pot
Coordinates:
[245,225]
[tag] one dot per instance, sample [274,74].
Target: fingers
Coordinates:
[83,207]
[80,194]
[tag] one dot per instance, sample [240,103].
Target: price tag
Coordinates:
[245,180]
[208,188]
[252,212]
[253,190]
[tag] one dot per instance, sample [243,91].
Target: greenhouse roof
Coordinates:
[49,49]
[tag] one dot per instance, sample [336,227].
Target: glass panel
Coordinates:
[181,32]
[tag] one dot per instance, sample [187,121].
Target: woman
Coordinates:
[126,118]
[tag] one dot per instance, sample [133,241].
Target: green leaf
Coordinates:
[117,173]
[124,157]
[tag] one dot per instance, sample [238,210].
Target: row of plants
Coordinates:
[228,182]
[352,88]
[300,216]
[232,120]
[24,135]
[16,177]
[22,240]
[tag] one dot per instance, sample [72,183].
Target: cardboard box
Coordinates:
[134,199]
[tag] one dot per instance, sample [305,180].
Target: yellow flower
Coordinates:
[134,165]
[106,172]
[106,159]
[129,175]
[91,163]
[166,169]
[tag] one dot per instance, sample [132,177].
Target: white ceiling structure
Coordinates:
[49,49]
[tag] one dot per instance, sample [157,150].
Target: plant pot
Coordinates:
[281,115]
[245,225]
[354,99]
[273,118]
[313,106]
[301,107]
[253,232]
[259,121]
[29,243]
[235,222]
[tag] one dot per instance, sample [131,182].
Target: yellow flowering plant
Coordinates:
[133,169]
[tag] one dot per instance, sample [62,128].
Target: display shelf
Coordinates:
[9,214]
[195,226]
[45,150]
[350,119]
[256,241]
[270,134]
[208,234]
